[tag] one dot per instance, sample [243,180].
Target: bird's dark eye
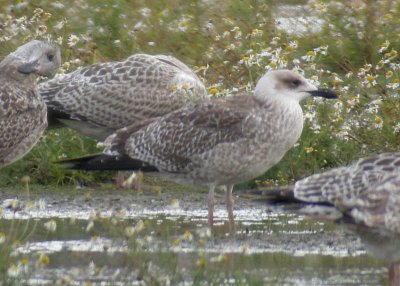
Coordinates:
[50,57]
[296,82]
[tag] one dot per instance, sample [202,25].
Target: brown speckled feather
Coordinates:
[22,120]
[191,143]
[379,206]
[221,142]
[368,191]
[99,99]
[23,116]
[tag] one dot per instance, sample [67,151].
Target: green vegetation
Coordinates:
[349,46]
[352,48]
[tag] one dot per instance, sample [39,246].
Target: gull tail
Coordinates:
[53,117]
[274,195]
[285,196]
[103,162]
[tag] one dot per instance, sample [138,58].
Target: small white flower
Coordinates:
[51,225]
[174,203]
[145,12]
[13,271]
[72,40]
[396,128]
[139,25]
[384,46]
[139,226]
[293,44]
[59,25]
[89,226]
[57,5]
[91,268]
[129,231]
[59,40]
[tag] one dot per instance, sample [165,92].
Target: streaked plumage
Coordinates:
[23,116]
[101,98]
[222,142]
[368,191]
[367,194]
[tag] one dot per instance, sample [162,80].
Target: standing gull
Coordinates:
[23,116]
[221,142]
[99,99]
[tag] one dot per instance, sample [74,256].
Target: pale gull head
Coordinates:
[288,85]
[37,57]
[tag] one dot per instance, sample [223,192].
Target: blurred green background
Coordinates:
[349,46]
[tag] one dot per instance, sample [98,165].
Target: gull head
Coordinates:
[37,57]
[288,85]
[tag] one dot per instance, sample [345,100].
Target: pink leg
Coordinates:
[229,207]
[211,207]
[120,179]
[133,181]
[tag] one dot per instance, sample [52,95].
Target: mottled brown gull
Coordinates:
[365,196]
[101,98]
[23,116]
[367,191]
[361,191]
[222,142]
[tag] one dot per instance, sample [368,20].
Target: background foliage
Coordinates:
[350,46]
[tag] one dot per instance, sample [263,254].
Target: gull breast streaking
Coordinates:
[23,115]
[101,98]
[221,142]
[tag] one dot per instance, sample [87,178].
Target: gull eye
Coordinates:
[50,57]
[295,83]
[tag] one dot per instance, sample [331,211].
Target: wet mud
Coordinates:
[118,237]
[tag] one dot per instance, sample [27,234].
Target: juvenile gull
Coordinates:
[365,191]
[23,116]
[366,196]
[360,191]
[221,142]
[99,99]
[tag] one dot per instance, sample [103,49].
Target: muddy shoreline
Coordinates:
[175,227]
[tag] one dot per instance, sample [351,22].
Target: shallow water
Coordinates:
[169,242]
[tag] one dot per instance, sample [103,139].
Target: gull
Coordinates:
[368,191]
[99,99]
[217,143]
[364,195]
[23,115]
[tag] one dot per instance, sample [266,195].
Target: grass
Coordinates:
[230,44]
